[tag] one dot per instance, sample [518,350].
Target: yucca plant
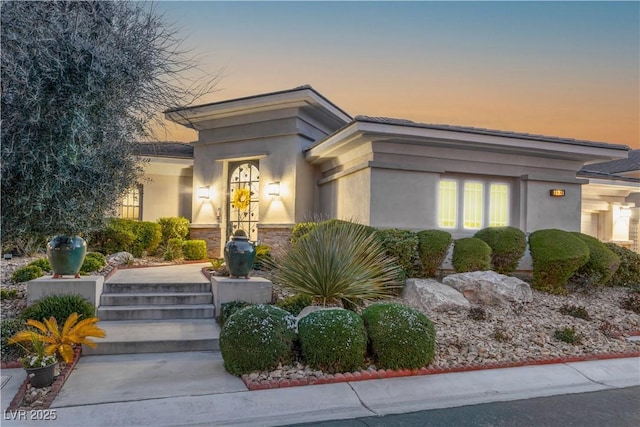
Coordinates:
[338,262]
[61,341]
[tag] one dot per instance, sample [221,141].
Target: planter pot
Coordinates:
[239,255]
[66,255]
[41,377]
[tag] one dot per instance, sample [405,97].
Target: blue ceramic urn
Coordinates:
[66,255]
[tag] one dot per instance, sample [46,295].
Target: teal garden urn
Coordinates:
[239,254]
[66,255]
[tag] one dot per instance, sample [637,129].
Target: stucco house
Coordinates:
[302,157]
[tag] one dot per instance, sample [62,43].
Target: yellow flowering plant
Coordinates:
[241,198]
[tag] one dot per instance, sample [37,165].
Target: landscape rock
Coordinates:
[120,258]
[490,288]
[428,295]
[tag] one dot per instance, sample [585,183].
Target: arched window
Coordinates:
[244,183]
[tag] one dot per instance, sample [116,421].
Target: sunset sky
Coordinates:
[569,69]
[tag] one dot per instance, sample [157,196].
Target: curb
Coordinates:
[375,374]
[56,386]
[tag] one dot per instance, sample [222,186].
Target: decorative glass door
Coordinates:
[244,184]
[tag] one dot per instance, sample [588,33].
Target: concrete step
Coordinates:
[156,312]
[166,298]
[156,336]
[118,287]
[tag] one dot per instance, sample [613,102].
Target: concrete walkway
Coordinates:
[180,389]
[181,273]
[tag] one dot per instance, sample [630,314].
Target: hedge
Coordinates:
[432,249]
[471,254]
[194,249]
[401,245]
[507,247]
[628,273]
[557,255]
[600,267]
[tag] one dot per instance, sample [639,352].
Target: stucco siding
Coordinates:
[166,196]
[543,211]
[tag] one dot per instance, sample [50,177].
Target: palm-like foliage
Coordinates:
[342,261]
[61,341]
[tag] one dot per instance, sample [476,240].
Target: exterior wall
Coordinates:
[347,197]
[540,210]
[166,196]
[211,235]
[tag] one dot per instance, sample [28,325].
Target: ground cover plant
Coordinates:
[26,273]
[333,340]
[59,307]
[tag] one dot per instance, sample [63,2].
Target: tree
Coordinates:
[81,82]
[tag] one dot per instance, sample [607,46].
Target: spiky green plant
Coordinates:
[338,262]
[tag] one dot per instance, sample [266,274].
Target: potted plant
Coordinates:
[40,366]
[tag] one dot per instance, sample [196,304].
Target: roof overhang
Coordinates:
[304,97]
[357,132]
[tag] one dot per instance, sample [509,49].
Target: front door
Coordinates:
[244,184]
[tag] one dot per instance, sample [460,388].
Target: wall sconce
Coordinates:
[274,189]
[203,192]
[556,192]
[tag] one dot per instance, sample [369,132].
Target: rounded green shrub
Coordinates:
[507,247]
[60,307]
[147,237]
[628,273]
[333,340]
[93,261]
[401,245]
[43,263]
[471,254]
[295,303]
[173,228]
[602,263]
[194,249]
[257,338]
[432,248]
[399,336]
[117,236]
[228,308]
[556,255]
[26,273]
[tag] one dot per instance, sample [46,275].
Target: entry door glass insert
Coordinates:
[244,183]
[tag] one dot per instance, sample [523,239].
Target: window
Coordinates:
[131,206]
[480,204]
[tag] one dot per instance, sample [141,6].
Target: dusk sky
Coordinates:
[569,69]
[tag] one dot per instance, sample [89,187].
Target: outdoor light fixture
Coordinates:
[274,188]
[556,192]
[203,192]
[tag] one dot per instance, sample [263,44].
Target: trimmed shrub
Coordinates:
[432,249]
[194,249]
[147,237]
[471,254]
[93,261]
[60,307]
[263,257]
[173,228]
[302,229]
[628,273]
[8,328]
[507,247]
[399,336]
[337,262]
[173,249]
[401,245]
[228,308]
[333,340]
[556,256]
[600,267]
[26,273]
[43,263]
[117,236]
[257,338]
[295,303]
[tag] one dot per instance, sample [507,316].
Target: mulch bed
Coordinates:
[372,374]
[56,386]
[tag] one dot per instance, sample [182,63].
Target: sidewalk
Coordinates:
[180,389]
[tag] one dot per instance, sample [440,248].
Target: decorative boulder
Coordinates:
[120,258]
[490,288]
[428,295]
